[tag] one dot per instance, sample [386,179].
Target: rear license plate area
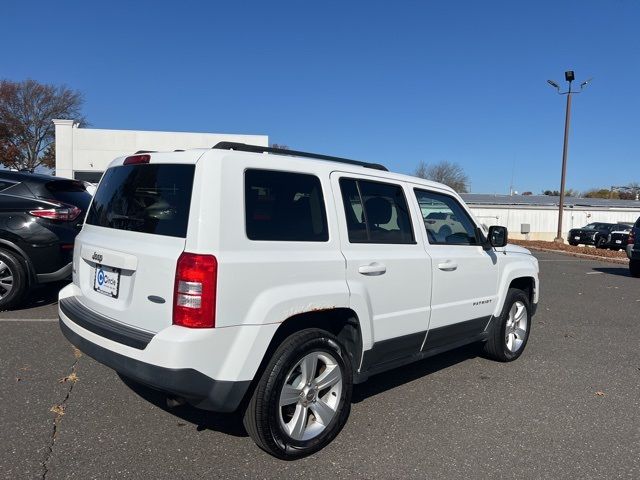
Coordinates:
[107,281]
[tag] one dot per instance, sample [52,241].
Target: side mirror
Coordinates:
[498,236]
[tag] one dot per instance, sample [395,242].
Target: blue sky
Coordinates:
[390,82]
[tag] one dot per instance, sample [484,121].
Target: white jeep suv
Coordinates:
[271,281]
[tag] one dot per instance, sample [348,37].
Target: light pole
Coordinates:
[569,76]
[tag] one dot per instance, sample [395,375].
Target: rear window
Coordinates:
[70,192]
[149,198]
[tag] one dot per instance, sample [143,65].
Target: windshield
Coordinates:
[148,198]
[595,226]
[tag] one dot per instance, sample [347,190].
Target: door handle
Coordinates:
[372,269]
[448,266]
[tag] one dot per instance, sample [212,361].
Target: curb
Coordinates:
[622,261]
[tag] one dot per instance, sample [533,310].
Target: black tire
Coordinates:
[572,243]
[634,268]
[263,415]
[496,346]
[601,242]
[11,291]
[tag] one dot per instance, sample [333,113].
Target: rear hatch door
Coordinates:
[134,233]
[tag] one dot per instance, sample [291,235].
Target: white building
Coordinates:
[539,213]
[84,153]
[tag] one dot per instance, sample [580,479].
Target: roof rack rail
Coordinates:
[243,147]
[145,151]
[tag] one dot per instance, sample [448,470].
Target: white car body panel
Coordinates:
[261,284]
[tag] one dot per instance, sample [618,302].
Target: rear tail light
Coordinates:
[67,213]
[194,295]
[133,159]
[632,238]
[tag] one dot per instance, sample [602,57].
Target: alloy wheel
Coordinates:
[310,396]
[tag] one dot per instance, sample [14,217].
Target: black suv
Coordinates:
[633,250]
[618,238]
[40,217]
[596,233]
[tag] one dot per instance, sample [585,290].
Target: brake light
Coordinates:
[134,159]
[68,213]
[194,294]
[632,238]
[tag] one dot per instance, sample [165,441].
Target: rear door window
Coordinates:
[146,198]
[376,212]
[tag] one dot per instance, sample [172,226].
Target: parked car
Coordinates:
[40,217]
[441,225]
[633,250]
[617,237]
[592,234]
[271,281]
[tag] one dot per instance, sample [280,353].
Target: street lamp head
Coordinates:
[553,84]
[569,76]
[585,83]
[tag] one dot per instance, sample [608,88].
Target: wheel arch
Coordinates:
[22,256]
[518,275]
[341,322]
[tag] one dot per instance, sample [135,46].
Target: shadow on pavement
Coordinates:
[399,376]
[620,271]
[229,423]
[41,296]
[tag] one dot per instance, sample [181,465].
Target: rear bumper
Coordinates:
[197,388]
[633,253]
[212,368]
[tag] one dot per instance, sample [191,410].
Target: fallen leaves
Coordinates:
[563,247]
[72,377]
[58,410]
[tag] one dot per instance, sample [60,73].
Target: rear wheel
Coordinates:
[634,268]
[509,333]
[573,243]
[303,398]
[600,242]
[13,280]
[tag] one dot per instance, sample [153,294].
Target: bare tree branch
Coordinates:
[449,173]
[27,133]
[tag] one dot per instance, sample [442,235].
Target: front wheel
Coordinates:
[509,333]
[303,398]
[601,242]
[572,243]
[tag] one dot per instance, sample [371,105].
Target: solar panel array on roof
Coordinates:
[545,200]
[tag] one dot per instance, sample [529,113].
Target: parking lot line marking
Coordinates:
[28,319]
[594,273]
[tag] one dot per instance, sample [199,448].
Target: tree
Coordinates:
[570,192]
[27,109]
[449,173]
[601,193]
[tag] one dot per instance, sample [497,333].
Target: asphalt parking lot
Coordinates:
[569,407]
